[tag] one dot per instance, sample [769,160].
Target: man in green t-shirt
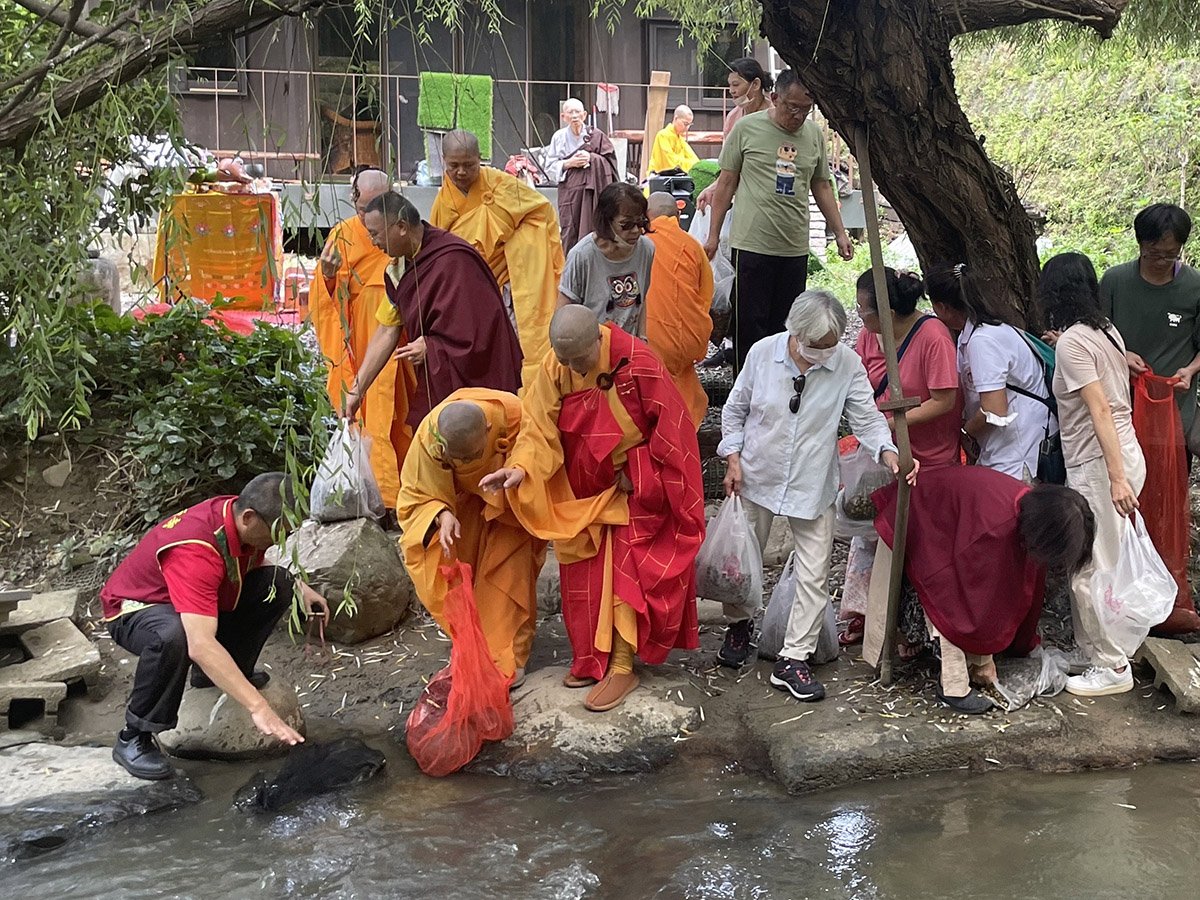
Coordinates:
[771,160]
[1154,301]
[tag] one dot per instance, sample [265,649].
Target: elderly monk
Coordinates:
[443,512]
[671,149]
[346,294]
[447,301]
[581,160]
[604,410]
[514,228]
[678,324]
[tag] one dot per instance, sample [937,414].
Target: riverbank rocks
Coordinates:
[549,587]
[50,794]
[556,740]
[214,726]
[358,558]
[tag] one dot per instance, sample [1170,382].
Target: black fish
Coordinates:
[311,769]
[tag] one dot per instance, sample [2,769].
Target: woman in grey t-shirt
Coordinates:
[608,271]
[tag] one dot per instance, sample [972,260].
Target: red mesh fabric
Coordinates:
[1164,498]
[467,702]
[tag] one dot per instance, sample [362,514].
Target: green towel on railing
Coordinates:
[448,101]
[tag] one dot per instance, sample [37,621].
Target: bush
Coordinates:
[186,407]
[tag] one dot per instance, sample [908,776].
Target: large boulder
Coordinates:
[358,559]
[50,794]
[557,740]
[213,726]
[549,587]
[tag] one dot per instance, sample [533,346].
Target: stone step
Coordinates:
[9,600]
[48,693]
[1175,667]
[41,609]
[58,651]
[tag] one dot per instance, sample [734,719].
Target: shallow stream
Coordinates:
[689,832]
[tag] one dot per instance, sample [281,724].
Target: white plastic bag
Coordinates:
[729,564]
[722,267]
[861,477]
[345,486]
[1138,593]
[779,610]
[1043,674]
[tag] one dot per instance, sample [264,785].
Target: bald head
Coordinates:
[460,159]
[463,428]
[682,119]
[574,114]
[575,338]
[660,204]
[460,141]
[366,186]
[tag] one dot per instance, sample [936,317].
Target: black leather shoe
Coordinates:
[141,758]
[200,680]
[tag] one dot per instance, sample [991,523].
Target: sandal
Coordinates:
[852,630]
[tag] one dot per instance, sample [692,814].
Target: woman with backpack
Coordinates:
[1010,413]
[929,372]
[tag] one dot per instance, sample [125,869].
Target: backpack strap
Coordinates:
[912,332]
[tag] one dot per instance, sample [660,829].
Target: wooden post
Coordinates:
[896,403]
[656,112]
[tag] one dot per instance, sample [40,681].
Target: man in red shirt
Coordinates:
[195,590]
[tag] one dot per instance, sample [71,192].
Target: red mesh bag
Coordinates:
[1164,498]
[467,702]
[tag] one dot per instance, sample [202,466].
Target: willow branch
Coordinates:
[64,34]
[82,26]
[964,16]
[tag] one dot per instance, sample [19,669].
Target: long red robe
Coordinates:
[647,560]
[448,295]
[966,559]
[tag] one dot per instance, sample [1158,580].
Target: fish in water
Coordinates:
[311,769]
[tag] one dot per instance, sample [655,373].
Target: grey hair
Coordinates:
[814,314]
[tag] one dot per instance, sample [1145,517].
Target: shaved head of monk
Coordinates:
[462,427]
[661,204]
[460,159]
[366,186]
[575,338]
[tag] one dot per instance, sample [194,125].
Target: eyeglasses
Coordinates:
[797,109]
[798,387]
[1161,257]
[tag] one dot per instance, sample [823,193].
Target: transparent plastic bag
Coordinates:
[779,610]
[729,564]
[1138,593]
[345,486]
[1042,674]
[861,477]
[846,528]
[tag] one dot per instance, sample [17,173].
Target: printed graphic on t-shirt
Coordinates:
[623,291]
[1174,320]
[785,170]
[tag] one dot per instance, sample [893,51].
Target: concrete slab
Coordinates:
[1176,668]
[48,693]
[41,609]
[58,652]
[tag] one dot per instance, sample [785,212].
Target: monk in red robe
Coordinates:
[444,297]
[960,515]
[604,410]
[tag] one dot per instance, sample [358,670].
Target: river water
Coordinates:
[689,832]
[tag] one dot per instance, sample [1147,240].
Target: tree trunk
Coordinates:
[886,64]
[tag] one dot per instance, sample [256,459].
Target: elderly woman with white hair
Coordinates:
[779,433]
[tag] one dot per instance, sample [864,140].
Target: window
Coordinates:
[214,68]
[666,53]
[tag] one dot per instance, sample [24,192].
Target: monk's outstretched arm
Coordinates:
[379,350]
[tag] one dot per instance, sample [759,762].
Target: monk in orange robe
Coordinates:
[678,323]
[514,228]
[603,410]
[345,294]
[444,512]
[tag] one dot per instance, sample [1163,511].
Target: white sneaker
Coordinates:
[1100,681]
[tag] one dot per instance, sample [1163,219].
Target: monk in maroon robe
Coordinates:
[446,300]
[580,188]
[604,410]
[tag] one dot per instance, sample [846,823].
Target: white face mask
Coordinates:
[815,355]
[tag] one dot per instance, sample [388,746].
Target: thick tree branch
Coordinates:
[135,57]
[962,16]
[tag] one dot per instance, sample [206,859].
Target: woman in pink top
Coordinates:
[749,88]
[929,372]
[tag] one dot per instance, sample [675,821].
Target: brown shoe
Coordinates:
[611,692]
[575,681]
